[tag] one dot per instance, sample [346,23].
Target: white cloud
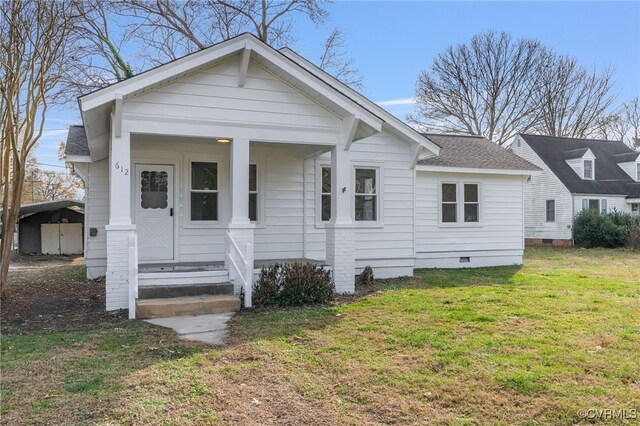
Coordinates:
[396,102]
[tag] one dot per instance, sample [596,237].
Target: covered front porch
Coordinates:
[199,211]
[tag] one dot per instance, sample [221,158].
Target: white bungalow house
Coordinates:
[201,170]
[578,174]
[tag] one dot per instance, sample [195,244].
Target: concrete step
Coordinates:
[182,277]
[183,306]
[183,290]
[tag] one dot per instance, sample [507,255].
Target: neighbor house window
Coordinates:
[595,204]
[638,172]
[551,210]
[635,208]
[366,195]
[449,202]
[253,192]
[204,191]
[325,194]
[588,169]
[471,202]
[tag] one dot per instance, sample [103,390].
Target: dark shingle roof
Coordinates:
[473,152]
[609,177]
[29,209]
[575,153]
[77,141]
[627,157]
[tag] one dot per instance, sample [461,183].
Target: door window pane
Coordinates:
[154,189]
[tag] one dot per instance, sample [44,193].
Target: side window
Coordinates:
[449,203]
[551,210]
[325,194]
[204,191]
[253,192]
[366,195]
[471,202]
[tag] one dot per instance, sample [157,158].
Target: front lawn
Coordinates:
[511,345]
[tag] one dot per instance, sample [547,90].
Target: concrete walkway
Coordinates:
[210,329]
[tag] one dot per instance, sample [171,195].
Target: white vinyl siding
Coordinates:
[537,190]
[500,234]
[388,244]
[96,216]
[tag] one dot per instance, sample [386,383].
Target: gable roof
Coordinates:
[307,78]
[473,152]
[609,177]
[77,142]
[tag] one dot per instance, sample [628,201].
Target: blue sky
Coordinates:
[393,41]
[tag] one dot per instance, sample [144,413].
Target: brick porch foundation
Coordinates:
[549,242]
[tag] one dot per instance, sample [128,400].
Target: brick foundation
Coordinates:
[550,243]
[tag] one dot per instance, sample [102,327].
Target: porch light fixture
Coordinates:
[223,140]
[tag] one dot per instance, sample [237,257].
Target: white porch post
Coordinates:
[120,230]
[240,227]
[340,234]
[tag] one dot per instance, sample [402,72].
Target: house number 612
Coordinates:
[122,169]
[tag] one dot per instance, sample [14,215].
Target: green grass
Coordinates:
[526,345]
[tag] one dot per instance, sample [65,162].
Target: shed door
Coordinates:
[70,238]
[154,211]
[50,238]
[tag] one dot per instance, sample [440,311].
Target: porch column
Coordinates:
[120,231]
[241,230]
[340,233]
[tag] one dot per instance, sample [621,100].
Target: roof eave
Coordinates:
[476,170]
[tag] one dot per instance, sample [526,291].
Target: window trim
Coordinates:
[546,211]
[464,202]
[317,198]
[460,202]
[217,191]
[258,192]
[379,169]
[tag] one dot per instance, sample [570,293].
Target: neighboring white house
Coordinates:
[201,170]
[578,174]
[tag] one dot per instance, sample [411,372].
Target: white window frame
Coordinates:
[379,168]
[584,169]
[460,223]
[546,211]
[603,204]
[202,191]
[318,192]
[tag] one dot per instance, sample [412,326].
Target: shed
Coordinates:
[51,227]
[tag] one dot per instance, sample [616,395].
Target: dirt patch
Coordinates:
[51,293]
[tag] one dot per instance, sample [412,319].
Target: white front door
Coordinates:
[153,210]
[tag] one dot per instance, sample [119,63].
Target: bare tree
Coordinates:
[631,115]
[335,62]
[483,88]
[572,100]
[32,54]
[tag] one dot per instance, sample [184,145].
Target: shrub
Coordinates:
[634,237]
[365,279]
[610,230]
[292,284]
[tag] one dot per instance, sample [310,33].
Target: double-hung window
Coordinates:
[638,172]
[597,204]
[366,195]
[551,210]
[459,202]
[204,191]
[471,203]
[588,169]
[449,202]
